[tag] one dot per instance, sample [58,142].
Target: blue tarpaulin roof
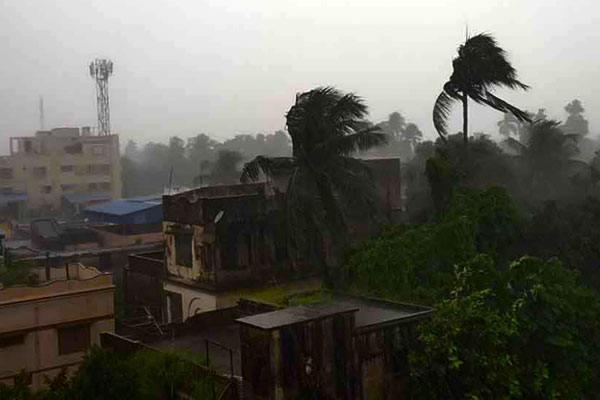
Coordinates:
[8,197]
[86,198]
[121,207]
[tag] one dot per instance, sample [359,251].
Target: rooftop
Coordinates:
[122,207]
[294,315]
[86,198]
[372,312]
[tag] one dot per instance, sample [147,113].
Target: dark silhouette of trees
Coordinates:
[509,125]
[576,123]
[412,135]
[226,168]
[480,66]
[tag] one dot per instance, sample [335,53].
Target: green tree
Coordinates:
[527,332]
[415,262]
[480,66]
[325,181]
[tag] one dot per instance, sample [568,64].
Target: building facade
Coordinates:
[49,326]
[62,162]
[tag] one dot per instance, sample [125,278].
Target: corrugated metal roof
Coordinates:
[85,198]
[121,207]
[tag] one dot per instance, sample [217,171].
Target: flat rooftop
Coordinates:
[294,315]
[372,312]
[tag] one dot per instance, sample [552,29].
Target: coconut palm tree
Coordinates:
[480,66]
[548,156]
[325,182]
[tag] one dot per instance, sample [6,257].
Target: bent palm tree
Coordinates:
[479,67]
[325,181]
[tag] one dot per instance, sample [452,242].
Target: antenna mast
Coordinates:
[100,70]
[41,113]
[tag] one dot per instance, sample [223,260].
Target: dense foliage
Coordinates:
[416,262]
[105,375]
[529,331]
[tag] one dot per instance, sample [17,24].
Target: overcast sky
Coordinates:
[226,67]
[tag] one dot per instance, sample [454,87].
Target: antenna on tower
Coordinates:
[41,113]
[100,70]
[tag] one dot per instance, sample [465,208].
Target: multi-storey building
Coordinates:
[221,239]
[48,326]
[44,169]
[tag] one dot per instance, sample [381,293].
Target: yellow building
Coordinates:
[60,163]
[48,327]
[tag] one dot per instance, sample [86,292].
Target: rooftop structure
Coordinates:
[126,211]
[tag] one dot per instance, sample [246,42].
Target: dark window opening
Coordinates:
[98,169]
[183,250]
[13,340]
[39,172]
[46,189]
[75,148]
[66,168]
[73,339]
[93,187]
[6,173]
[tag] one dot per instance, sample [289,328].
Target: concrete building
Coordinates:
[221,239]
[49,326]
[61,163]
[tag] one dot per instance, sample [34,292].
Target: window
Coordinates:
[66,168]
[93,187]
[75,148]
[6,173]
[183,250]
[98,169]
[11,340]
[105,186]
[98,150]
[46,189]
[67,188]
[39,172]
[73,339]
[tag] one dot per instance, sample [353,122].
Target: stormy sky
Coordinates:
[229,67]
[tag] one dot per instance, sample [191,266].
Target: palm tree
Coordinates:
[479,67]
[325,182]
[548,156]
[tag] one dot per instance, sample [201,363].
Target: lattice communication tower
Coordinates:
[100,70]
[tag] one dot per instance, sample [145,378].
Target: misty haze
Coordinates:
[299,200]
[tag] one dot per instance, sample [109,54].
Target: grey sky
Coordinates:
[228,67]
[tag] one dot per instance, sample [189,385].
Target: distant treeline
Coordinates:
[201,160]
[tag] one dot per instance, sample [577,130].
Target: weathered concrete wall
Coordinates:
[193,300]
